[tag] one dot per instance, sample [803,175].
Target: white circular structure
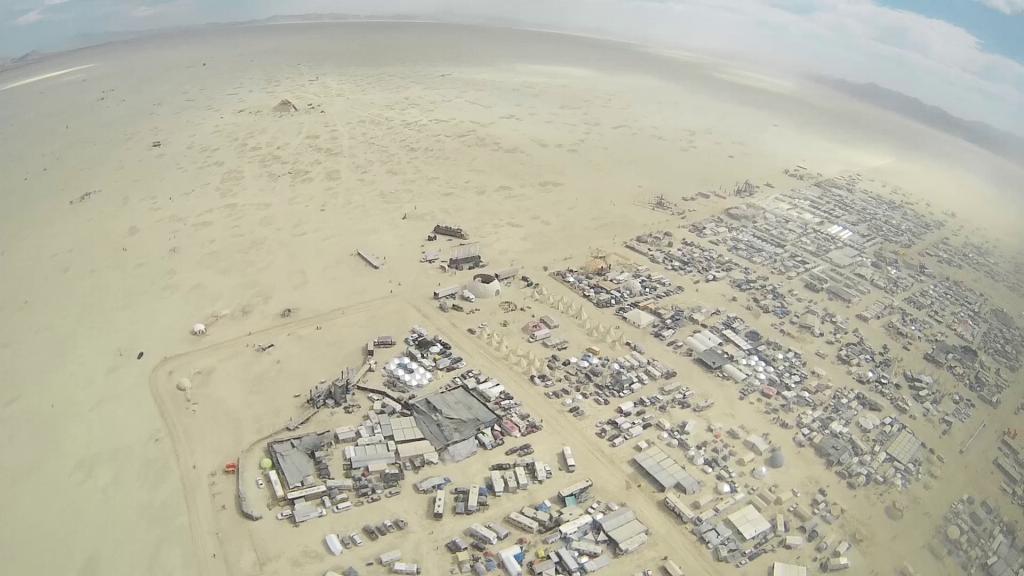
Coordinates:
[484,286]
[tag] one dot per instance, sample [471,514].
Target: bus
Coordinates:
[576,489]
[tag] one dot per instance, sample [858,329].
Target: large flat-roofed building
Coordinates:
[447,418]
[665,471]
[783,569]
[905,448]
[294,457]
[749,522]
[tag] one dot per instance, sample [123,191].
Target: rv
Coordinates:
[473,499]
[497,483]
[523,523]
[570,460]
[521,478]
[439,504]
[405,568]
[670,568]
[498,529]
[479,532]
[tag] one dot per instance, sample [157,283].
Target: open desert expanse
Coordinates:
[154,184]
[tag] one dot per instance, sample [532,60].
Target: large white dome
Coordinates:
[484,286]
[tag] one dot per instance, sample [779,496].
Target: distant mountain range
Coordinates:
[23,59]
[999,142]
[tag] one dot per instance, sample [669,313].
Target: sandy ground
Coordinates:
[544,147]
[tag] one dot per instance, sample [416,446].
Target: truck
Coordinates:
[433,483]
[448,292]
[542,334]
[452,231]
[570,460]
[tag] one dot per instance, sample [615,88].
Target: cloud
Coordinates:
[159,8]
[30,17]
[858,40]
[37,15]
[1009,7]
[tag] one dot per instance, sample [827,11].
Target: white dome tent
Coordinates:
[484,286]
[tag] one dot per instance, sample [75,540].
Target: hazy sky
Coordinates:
[966,56]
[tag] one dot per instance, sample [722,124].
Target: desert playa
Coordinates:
[228,178]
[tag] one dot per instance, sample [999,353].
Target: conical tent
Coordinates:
[583,316]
